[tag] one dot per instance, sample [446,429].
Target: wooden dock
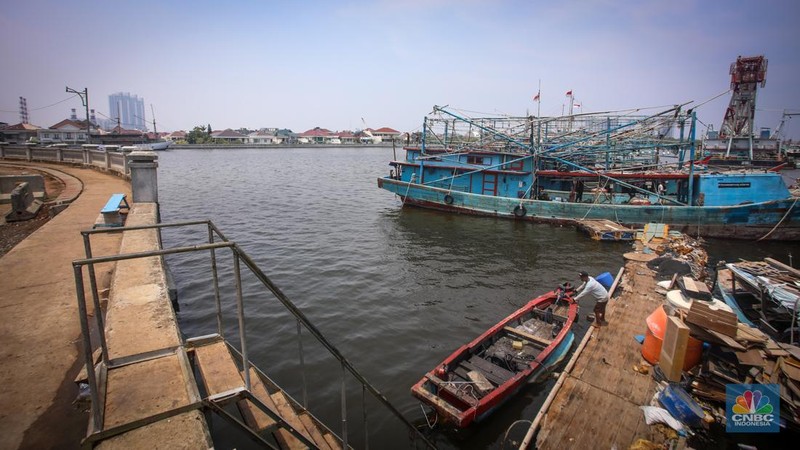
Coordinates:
[606,230]
[598,404]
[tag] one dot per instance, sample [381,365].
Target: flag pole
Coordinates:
[539,103]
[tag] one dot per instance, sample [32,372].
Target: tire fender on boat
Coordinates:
[520,211]
[448,199]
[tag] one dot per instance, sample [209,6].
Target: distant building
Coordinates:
[264,137]
[319,136]
[385,133]
[129,109]
[229,136]
[176,136]
[68,131]
[19,133]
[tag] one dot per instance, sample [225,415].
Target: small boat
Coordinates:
[763,294]
[478,377]
[154,146]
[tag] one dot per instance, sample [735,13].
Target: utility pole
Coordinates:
[84,95]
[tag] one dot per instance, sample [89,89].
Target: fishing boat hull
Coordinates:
[479,377]
[773,220]
[155,146]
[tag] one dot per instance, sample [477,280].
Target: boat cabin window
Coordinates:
[516,165]
[478,160]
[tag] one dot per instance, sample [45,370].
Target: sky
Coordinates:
[348,65]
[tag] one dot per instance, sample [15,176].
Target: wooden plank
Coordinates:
[695,289]
[751,357]
[253,416]
[316,434]
[483,385]
[489,367]
[333,441]
[781,266]
[530,337]
[724,322]
[217,368]
[498,380]
[284,437]
[673,349]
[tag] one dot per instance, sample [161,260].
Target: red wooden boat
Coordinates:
[478,377]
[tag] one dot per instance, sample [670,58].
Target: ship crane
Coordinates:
[746,74]
[777,133]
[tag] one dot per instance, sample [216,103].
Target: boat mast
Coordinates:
[155,130]
[690,200]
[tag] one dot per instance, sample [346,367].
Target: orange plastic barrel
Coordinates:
[654,337]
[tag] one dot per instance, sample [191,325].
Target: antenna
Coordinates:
[23,110]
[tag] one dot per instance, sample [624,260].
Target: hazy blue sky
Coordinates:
[301,64]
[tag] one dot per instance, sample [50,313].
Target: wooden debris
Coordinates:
[723,322]
[483,385]
[695,289]
[673,349]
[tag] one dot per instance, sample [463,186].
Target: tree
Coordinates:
[198,135]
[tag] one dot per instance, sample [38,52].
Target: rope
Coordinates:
[505,437]
[435,417]
[781,221]
[408,187]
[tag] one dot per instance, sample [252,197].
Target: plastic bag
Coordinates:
[654,414]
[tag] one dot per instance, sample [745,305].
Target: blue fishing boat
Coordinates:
[620,168]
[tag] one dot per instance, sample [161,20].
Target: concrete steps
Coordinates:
[220,374]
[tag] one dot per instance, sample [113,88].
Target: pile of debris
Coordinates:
[670,252]
[732,353]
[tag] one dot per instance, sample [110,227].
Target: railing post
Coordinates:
[28,153]
[108,159]
[59,155]
[302,364]
[97,408]
[215,279]
[240,311]
[364,411]
[96,300]
[344,407]
[87,157]
[144,179]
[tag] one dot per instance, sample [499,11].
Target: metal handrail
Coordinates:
[239,255]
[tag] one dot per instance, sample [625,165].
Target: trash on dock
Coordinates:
[606,230]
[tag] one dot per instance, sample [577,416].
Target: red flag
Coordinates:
[536,98]
[569,92]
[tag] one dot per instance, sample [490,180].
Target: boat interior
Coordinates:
[500,356]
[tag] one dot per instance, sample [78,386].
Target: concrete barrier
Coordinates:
[105,160]
[9,182]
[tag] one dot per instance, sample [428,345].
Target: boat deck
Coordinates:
[598,404]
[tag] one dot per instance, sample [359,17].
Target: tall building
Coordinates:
[129,109]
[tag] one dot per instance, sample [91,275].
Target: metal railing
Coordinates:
[239,257]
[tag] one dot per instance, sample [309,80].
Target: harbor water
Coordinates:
[395,289]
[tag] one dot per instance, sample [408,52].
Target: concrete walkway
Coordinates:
[40,333]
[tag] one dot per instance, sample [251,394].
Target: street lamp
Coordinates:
[84,95]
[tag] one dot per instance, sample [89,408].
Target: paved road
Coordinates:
[39,333]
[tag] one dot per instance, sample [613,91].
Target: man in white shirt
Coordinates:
[591,288]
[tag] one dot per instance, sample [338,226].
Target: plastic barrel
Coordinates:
[606,279]
[654,337]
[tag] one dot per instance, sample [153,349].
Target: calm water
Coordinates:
[395,289]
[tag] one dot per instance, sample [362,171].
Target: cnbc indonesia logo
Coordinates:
[752,408]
